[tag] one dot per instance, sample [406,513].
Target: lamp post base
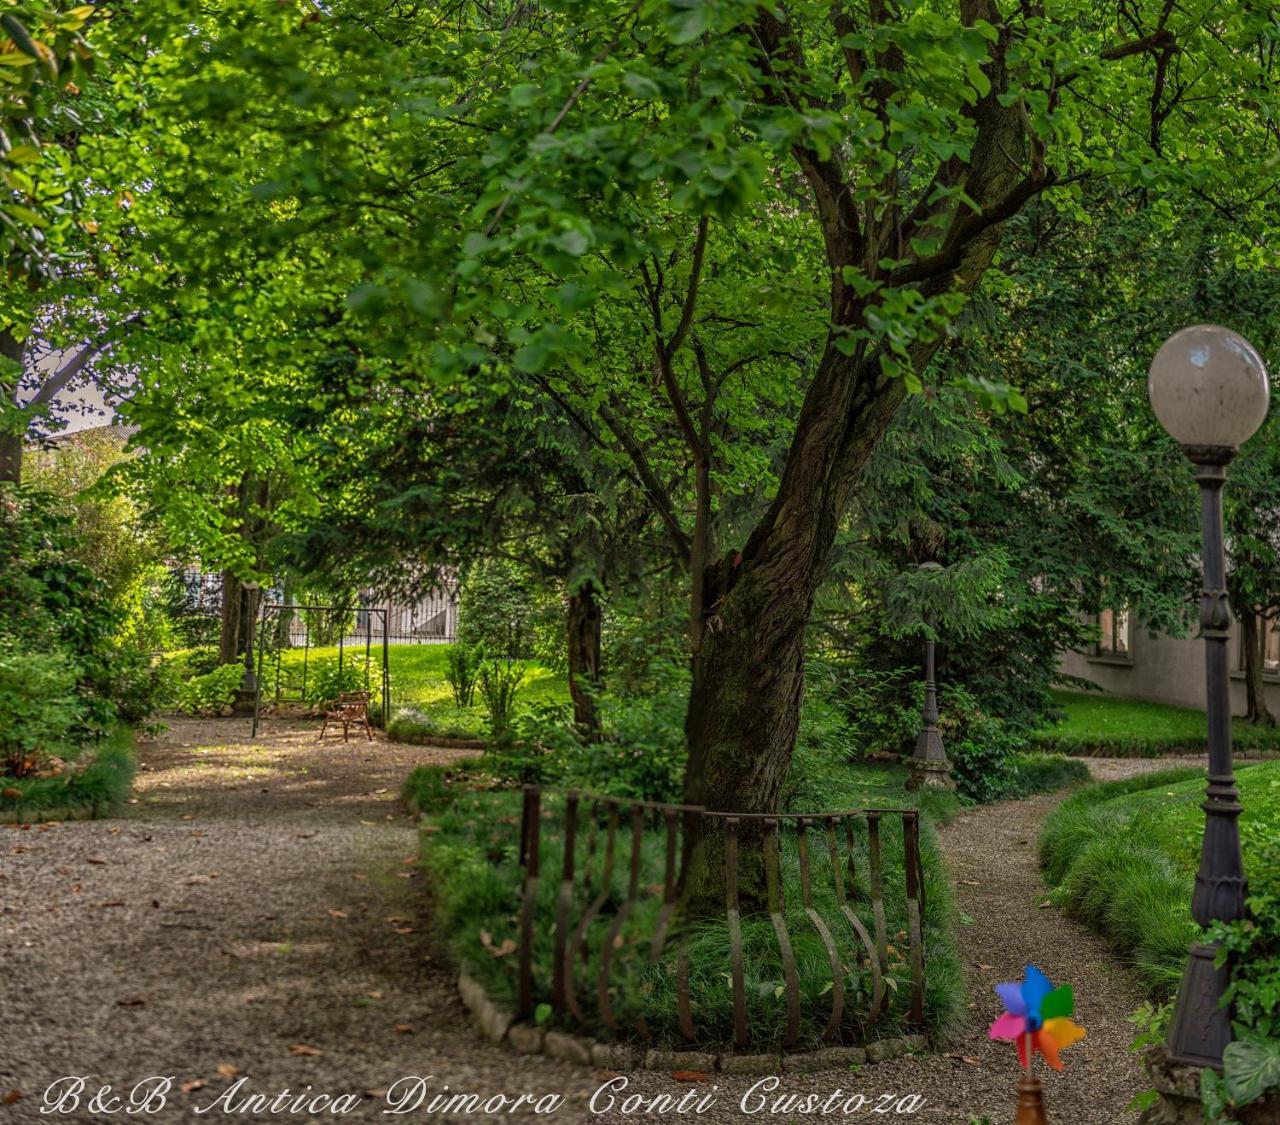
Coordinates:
[1201,1026]
[928,773]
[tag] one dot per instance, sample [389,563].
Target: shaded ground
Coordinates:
[255,915]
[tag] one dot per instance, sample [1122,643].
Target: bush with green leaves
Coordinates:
[39,708]
[328,678]
[509,611]
[500,684]
[213,693]
[462,671]
[95,780]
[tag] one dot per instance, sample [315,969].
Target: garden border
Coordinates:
[500,1027]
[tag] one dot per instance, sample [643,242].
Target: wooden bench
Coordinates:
[351,709]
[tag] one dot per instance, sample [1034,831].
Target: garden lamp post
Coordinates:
[248,691]
[1208,387]
[929,768]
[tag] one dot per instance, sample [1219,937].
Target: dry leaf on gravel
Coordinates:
[192,1085]
[337,913]
[226,1070]
[305,1049]
[113,902]
[689,1075]
[11,1097]
[402,1029]
[131,1002]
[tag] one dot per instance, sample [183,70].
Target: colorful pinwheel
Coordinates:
[1037,1017]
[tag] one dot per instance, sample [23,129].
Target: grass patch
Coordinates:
[93,783]
[1121,857]
[1104,726]
[469,850]
[421,701]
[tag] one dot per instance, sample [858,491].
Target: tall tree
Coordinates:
[916,131]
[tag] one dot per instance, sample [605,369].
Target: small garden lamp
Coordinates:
[1208,387]
[929,768]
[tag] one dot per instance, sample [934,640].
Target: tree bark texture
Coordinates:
[585,623]
[10,444]
[1253,640]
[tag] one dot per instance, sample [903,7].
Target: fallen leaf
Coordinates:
[113,902]
[376,994]
[402,930]
[131,1002]
[226,1070]
[963,1058]
[1046,904]
[403,1029]
[189,816]
[11,794]
[305,1049]
[689,1075]
[376,1095]
[192,1085]
[971,882]
[337,913]
[11,1097]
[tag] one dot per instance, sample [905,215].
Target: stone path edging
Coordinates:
[499,1025]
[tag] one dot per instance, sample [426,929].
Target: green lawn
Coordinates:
[1104,724]
[421,702]
[1122,857]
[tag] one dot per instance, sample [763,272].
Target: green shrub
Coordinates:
[135,684]
[1121,857]
[500,684]
[1043,773]
[211,694]
[426,789]
[327,679]
[183,663]
[39,708]
[413,724]
[91,785]
[462,671]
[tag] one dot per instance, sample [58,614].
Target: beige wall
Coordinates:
[1164,669]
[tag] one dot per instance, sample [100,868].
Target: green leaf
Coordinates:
[640,86]
[524,95]
[1251,1068]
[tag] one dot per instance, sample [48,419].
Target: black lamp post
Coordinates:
[929,768]
[1209,389]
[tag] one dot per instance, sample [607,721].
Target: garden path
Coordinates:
[255,914]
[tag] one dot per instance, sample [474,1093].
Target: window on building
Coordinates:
[1113,629]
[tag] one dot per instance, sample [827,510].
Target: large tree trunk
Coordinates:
[231,631]
[748,673]
[10,444]
[748,661]
[585,621]
[1253,639]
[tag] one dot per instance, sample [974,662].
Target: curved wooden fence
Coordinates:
[617,856]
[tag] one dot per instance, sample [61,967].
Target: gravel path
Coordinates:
[253,916]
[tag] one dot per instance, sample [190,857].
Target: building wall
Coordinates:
[1166,670]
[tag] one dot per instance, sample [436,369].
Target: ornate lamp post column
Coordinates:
[247,693]
[929,768]
[1208,387]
